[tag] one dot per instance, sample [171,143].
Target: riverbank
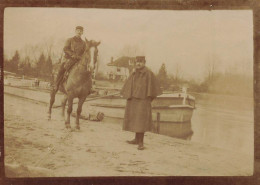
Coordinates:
[37,147]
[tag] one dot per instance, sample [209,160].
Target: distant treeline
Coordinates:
[41,68]
[215,82]
[229,83]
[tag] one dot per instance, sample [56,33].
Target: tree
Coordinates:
[28,69]
[25,67]
[13,63]
[163,77]
[177,72]
[212,73]
[131,51]
[40,71]
[33,52]
[44,67]
[212,67]
[48,67]
[21,68]
[6,63]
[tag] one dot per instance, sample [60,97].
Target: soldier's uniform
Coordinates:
[139,89]
[73,50]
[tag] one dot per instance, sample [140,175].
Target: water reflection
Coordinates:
[224,122]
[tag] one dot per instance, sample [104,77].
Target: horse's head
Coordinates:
[92,52]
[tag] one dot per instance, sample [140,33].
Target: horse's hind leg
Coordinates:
[63,105]
[52,100]
[80,103]
[69,110]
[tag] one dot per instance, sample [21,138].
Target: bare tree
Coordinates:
[33,52]
[48,45]
[177,71]
[131,51]
[211,66]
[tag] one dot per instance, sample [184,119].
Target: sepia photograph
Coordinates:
[92,92]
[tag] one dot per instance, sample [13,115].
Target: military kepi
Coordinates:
[79,27]
[140,58]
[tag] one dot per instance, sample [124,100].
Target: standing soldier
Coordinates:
[140,89]
[73,49]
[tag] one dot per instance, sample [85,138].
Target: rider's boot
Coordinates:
[59,79]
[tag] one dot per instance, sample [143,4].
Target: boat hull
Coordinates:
[171,115]
[163,114]
[181,130]
[178,99]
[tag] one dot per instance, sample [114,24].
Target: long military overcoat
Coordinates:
[139,90]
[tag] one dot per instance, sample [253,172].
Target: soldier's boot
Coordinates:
[59,78]
[140,141]
[57,83]
[134,141]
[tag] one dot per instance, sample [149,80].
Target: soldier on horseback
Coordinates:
[73,50]
[77,82]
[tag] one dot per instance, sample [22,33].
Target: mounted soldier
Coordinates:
[78,66]
[73,51]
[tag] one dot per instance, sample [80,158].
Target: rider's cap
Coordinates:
[79,27]
[140,58]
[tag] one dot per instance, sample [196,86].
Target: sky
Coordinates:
[187,39]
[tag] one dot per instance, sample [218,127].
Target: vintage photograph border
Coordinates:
[209,5]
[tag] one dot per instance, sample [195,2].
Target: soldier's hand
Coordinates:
[73,57]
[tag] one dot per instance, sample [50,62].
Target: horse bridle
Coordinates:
[94,58]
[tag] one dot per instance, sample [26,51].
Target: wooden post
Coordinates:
[158,123]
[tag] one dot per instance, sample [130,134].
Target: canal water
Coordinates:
[224,122]
[220,121]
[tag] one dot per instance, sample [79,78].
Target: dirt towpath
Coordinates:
[37,147]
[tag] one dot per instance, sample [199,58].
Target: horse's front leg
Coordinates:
[52,100]
[63,105]
[80,103]
[69,110]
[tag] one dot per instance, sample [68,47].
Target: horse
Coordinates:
[78,84]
